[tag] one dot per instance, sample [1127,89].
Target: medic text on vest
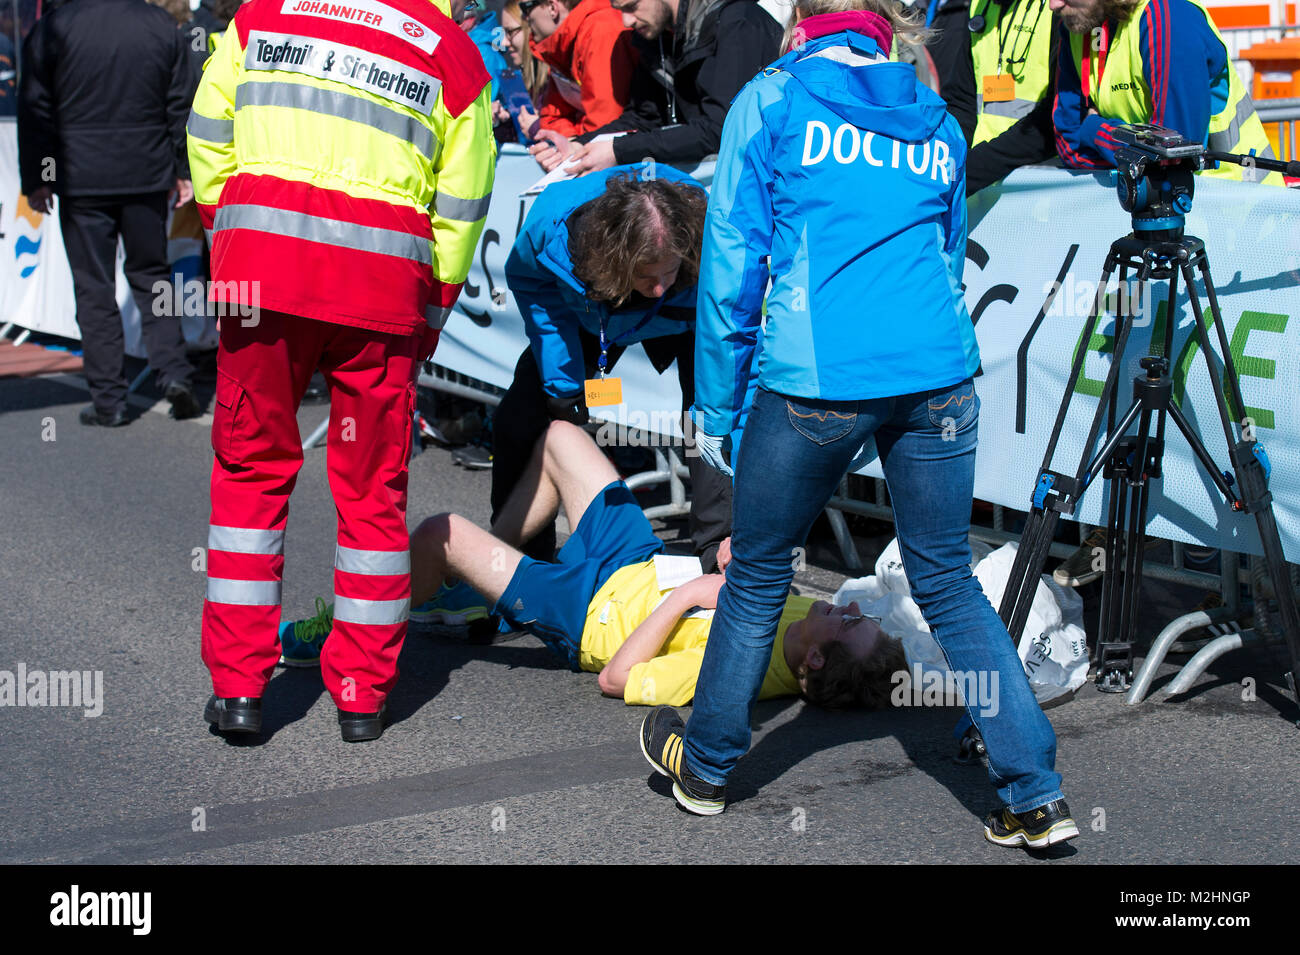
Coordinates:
[350,66]
[848,141]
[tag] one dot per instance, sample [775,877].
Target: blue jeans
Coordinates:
[792,457]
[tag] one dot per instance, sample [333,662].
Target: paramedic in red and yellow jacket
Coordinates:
[343,160]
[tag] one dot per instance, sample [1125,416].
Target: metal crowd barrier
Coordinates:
[669,467]
[1285,113]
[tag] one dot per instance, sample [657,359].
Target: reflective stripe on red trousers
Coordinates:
[264,365]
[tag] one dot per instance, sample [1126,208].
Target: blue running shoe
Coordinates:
[451,608]
[301,640]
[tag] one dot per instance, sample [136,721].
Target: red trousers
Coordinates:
[262,372]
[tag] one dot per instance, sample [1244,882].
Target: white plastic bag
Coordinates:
[1053,648]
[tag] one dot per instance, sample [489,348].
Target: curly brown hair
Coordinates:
[845,681]
[632,223]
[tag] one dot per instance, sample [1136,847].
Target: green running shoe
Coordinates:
[451,608]
[301,640]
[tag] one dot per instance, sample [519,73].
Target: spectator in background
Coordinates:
[203,28]
[110,141]
[589,52]
[482,26]
[8,69]
[532,72]
[695,57]
[179,9]
[518,36]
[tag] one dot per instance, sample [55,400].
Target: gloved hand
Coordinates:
[710,448]
[865,456]
[570,408]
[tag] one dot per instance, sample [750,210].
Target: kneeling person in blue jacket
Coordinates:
[603,262]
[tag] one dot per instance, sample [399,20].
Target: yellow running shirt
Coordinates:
[628,598]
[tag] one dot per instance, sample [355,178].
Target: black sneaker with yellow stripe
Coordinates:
[662,744]
[1036,828]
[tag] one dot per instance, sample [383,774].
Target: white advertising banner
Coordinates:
[36,282]
[1047,226]
[1041,229]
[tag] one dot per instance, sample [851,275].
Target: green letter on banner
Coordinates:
[1246,365]
[1251,365]
[1104,344]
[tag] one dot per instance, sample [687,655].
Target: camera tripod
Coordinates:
[1155,250]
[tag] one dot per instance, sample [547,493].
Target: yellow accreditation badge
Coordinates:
[603,391]
[999,88]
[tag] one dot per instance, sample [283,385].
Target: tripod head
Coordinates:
[1155,366]
[1157,168]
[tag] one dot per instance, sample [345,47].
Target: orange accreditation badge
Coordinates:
[999,88]
[603,391]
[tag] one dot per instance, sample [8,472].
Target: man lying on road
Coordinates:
[607,605]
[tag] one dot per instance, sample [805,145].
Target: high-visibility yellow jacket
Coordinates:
[1164,64]
[1014,43]
[343,159]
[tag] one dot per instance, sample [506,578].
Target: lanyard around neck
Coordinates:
[1019,19]
[603,362]
[1085,64]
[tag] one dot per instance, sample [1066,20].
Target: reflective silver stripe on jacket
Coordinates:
[1011,108]
[251,593]
[245,540]
[463,210]
[1226,140]
[1229,140]
[342,105]
[347,235]
[352,560]
[436,316]
[372,612]
[212,130]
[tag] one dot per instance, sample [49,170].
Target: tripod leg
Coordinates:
[1011,593]
[1113,557]
[1229,367]
[1035,551]
[1035,540]
[1117,664]
[1076,368]
[1248,464]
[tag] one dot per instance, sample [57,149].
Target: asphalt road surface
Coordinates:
[496,754]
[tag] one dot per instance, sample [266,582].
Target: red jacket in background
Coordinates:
[591,60]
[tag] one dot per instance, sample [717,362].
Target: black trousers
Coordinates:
[91,225]
[522,418]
